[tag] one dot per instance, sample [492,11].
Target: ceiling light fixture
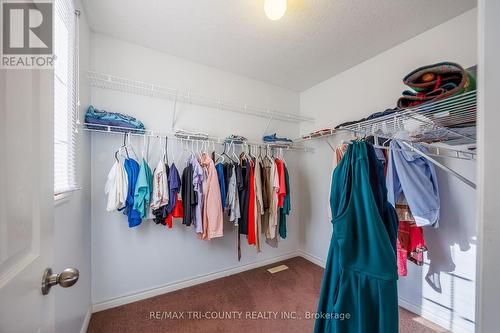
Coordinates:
[275,9]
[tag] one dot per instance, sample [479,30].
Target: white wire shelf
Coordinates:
[107,81]
[451,121]
[190,137]
[441,126]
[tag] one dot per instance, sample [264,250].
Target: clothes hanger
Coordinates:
[144,152]
[236,159]
[224,153]
[217,154]
[171,153]
[165,151]
[129,145]
[252,156]
[125,144]
[116,155]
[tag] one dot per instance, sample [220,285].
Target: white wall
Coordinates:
[373,86]
[72,218]
[132,261]
[488,271]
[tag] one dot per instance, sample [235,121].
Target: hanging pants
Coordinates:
[359,291]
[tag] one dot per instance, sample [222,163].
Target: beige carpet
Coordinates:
[252,301]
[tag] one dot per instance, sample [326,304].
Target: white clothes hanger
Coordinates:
[129,145]
[236,158]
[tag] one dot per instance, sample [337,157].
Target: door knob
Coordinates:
[65,279]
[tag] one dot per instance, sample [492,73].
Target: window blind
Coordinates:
[65,97]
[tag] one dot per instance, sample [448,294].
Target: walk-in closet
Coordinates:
[250,165]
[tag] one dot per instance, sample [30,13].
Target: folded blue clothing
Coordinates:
[105,118]
[274,138]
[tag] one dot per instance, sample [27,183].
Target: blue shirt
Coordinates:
[132,169]
[143,188]
[413,176]
[174,185]
[220,175]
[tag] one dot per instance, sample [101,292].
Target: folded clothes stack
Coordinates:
[436,82]
[233,138]
[318,133]
[273,138]
[370,117]
[96,119]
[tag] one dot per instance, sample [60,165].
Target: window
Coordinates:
[65,97]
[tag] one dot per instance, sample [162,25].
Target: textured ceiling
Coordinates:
[315,40]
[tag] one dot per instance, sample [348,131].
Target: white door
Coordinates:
[26,199]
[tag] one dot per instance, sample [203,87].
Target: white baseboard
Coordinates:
[86,321]
[434,317]
[137,296]
[312,258]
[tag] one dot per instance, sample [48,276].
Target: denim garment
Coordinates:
[412,175]
[220,176]
[101,117]
[274,138]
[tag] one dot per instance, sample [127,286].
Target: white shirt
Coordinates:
[160,186]
[116,187]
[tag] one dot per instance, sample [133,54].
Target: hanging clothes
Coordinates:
[413,176]
[272,238]
[243,196]
[287,206]
[222,186]
[212,212]
[164,214]
[411,243]
[273,207]
[233,202]
[143,188]
[198,179]
[228,173]
[361,272]
[266,194]
[189,196]
[259,207]
[280,167]
[160,192]
[377,183]
[251,204]
[132,169]
[174,185]
[116,187]
[339,153]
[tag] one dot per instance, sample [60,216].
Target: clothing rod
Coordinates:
[456,152]
[188,137]
[440,165]
[107,81]
[430,154]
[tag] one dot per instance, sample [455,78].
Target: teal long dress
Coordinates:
[359,291]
